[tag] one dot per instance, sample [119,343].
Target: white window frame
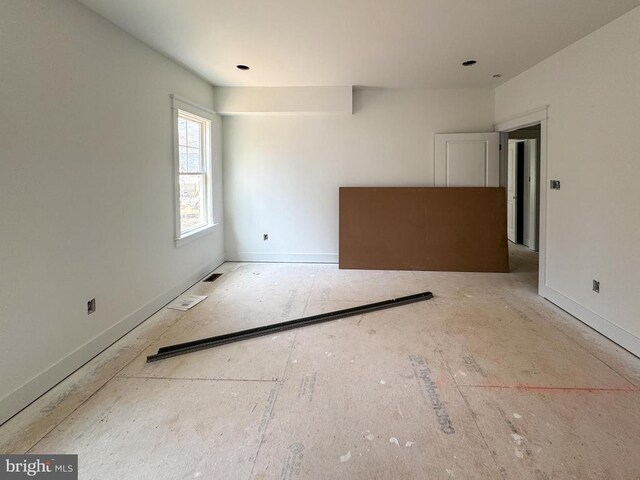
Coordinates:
[180,105]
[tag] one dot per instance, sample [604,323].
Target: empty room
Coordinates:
[320,239]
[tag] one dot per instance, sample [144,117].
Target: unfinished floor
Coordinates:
[487,380]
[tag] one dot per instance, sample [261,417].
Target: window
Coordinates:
[192,152]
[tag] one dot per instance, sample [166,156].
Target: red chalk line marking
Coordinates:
[570,389]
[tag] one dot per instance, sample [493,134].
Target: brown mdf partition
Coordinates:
[446,229]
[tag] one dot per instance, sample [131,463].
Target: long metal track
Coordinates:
[195,345]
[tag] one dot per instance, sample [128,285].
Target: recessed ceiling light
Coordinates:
[468,63]
[242,67]
[497,75]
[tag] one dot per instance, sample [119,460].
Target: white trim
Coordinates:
[190,236]
[531,117]
[264,257]
[606,327]
[22,396]
[542,222]
[181,103]
[521,120]
[176,169]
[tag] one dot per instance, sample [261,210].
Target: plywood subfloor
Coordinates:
[487,380]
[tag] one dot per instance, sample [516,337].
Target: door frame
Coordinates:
[532,145]
[530,196]
[525,119]
[511,197]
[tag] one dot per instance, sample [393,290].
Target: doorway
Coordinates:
[520,186]
[523,186]
[511,127]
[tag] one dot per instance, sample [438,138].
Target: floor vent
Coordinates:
[213,277]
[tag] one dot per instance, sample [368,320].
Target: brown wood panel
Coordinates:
[447,229]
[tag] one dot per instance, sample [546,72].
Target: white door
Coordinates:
[467,160]
[531,201]
[511,191]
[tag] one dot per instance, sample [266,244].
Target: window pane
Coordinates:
[192,202]
[193,134]
[182,131]
[193,162]
[182,152]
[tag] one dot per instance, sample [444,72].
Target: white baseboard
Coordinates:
[617,334]
[263,257]
[41,383]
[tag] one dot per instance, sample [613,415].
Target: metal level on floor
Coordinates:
[210,342]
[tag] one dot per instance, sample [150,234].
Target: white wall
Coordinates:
[282,173]
[86,190]
[593,222]
[285,100]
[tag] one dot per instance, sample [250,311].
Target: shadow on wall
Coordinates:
[359,93]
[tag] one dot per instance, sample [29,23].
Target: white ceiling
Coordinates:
[385,43]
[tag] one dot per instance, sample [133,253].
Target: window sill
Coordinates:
[189,237]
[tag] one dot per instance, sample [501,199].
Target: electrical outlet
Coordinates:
[596,286]
[554,184]
[265,236]
[91,306]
